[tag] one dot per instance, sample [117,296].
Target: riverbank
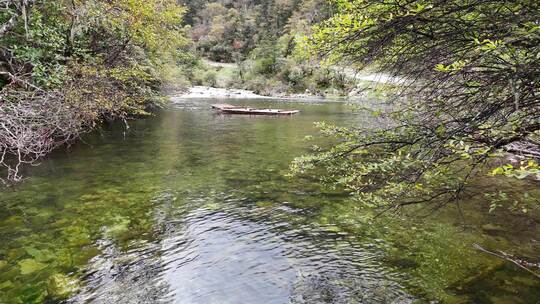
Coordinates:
[209,92]
[230,80]
[242,80]
[212,92]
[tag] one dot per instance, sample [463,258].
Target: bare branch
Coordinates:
[21,10]
[508,258]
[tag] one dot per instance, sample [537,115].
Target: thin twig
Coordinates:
[504,256]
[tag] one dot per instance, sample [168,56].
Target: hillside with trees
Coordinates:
[228,31]
[264,39]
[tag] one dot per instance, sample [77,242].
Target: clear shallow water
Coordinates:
[194,207]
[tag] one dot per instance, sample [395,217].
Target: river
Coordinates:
[190,206]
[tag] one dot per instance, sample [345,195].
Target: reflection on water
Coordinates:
[193,207]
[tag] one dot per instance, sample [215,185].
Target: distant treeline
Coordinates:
[229,30]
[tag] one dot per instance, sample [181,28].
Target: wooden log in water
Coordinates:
[230,109]
[221,106]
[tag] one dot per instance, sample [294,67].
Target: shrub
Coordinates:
[210,78]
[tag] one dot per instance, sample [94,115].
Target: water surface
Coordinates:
[194,207]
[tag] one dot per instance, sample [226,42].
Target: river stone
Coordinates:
[335,289]
[492,228]
[61,286]
[29,266]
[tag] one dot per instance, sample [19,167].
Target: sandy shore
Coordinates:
[210,92]
[221,93]
[224,93]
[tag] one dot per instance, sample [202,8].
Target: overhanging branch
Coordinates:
[21,10]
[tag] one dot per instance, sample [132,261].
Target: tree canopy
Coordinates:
[468,91]
[229,30]
[66,65]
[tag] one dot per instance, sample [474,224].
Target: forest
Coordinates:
[418,136]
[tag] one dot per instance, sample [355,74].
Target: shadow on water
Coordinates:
[193,207]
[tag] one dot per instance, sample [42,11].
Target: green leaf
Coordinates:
[523,175]
[497,171]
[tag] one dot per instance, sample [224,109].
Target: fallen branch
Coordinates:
[32,124]
[508,258]
[17,80]
[527,150]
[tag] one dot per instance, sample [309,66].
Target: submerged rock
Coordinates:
[492,228]
[319,289]
[29,266]
[61,286]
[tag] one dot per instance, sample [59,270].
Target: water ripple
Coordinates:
[239,254]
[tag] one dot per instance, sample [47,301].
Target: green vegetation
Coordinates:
[263,39]
[469,96]
[67,65]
